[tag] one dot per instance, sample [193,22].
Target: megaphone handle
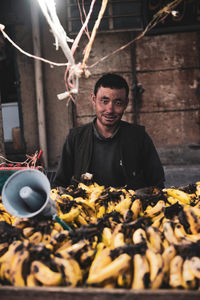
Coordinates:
[61,222]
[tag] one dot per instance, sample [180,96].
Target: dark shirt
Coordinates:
[106,162]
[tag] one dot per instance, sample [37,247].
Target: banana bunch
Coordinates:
[4,215]
[119,238]
[27,264]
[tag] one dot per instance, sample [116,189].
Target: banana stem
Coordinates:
[61,222]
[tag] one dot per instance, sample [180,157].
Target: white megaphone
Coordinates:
[26,194]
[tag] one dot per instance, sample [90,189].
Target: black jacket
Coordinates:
[139,158]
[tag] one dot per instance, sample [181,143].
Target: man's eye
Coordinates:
[119,103]
[104,101]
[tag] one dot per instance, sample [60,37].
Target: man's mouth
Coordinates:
[109,117]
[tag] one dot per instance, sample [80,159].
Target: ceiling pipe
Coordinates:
[39,81]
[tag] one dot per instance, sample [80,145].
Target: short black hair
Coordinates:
[112,81]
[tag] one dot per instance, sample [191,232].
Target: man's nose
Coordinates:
[110,107]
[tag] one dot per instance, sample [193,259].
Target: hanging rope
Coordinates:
[75,70]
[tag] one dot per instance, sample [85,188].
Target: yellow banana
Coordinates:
[124,280]
[81,220]
[193,220]
[57,227]
[45,275]
[101,260]
[123,205]
[172,200]
[71,270]
[36,237]
[72,249]
[175,272]
[141,272]
[118,240]
[136,208]
[139,236]
[107,236]
[156,268]
[17,268]
[118,265]
[183,236]
[28,231]
[31,281]
[181,196]
[155,238]
[111,207]
[101,211]
[188,277]
[169,233]
[153,211]
[157,220]
[6,259]
[167,255]
[71,215]
[87,256]
[179,231]
[96,193]
[195,266]
[46,238]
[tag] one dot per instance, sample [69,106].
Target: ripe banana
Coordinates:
[193,220]
[124,280]
[70,269]
[139,236]
[181,196]
[195,266]
[157,220]
[118,240]
[45,275]
[136,208]
[123,206]
[31,281]
[17,266]
[107,236]
[188,277]
[154,210]
[36,237]
[141,272]
[71,215]
[118,265]
[167,255]
[6,259]
[169,233]
[101,260]
[71,249]
[156,268]
[175,272]
[155,238]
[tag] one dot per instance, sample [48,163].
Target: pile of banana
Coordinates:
[118,238]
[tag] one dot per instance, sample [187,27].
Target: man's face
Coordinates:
[109,105]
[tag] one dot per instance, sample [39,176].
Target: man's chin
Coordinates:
[110,123]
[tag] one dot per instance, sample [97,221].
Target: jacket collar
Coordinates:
[101,137]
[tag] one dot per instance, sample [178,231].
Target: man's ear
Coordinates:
[93,98]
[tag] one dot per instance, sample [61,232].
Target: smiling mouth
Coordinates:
[109,118]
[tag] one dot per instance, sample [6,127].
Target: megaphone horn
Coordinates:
[25,194]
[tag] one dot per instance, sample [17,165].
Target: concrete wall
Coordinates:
[166,66]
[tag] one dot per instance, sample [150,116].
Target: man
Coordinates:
[116,153]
